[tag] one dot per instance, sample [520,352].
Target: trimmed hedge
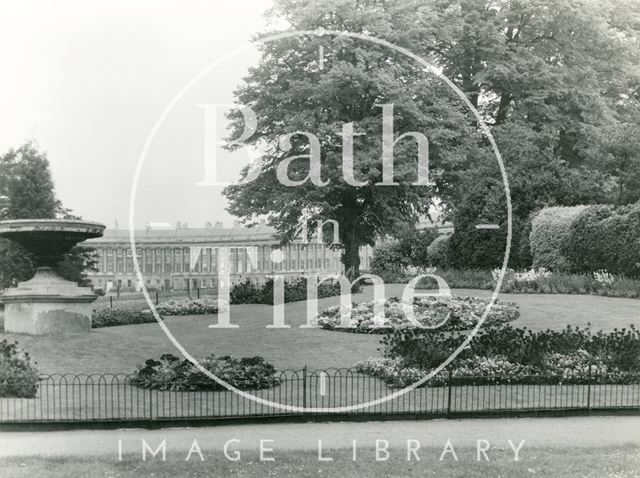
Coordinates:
[113,317]
[606,238]
[550,228]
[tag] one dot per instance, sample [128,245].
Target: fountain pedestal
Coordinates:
[47,303]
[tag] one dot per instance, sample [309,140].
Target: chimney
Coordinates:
[219,225]
[208,225]
[178,225]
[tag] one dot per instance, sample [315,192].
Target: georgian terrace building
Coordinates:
[181,258]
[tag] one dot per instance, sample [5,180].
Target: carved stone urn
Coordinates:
[47,303]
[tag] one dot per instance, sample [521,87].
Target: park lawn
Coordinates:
[548,462]
[120,349]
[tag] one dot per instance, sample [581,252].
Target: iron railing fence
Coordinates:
[103,398]
[136,301]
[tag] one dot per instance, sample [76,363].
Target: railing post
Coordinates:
[449,393]
[157,298]
[111,301]
[198,292]
[188,279]
[589,391]
[151,404]
[304,387]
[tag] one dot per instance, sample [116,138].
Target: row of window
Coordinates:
[208,259]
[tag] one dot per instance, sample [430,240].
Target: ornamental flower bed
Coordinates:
[453,313]
[497,370]
[171,373]
[206,305]
[506,356]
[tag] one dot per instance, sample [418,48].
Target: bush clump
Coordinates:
[445,313]
[206,305]
[18,375]
[508,355]
[550,228]
[247,292]
[172,373]
[606,238]
[107,317]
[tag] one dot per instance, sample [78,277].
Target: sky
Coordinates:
[88,81]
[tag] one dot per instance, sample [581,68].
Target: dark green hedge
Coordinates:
[605,238]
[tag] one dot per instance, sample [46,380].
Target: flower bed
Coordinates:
[507,355]
[171,373]
[206,305]
[535,281]
[453,313]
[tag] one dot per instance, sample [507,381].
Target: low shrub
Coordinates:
[507,355]
[446,313]
[409,248]
[438,251]
[206,305]
[18,375]
[172,373]
[113,317]
[295,290]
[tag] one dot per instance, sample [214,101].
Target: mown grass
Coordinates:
[551,463]
[120,349]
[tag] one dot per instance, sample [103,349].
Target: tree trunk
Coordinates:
[351,258]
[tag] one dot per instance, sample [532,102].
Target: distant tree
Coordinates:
[28,191]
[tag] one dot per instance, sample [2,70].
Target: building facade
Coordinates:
[188,258]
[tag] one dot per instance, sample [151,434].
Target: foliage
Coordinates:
[606,238]
[409,248]
[508,355]
[619,349]
[294,290]
[18,375]
[438,251]
[25,180]
[171,373]
[446,313]
[206,305]
[550,229]
[107,317]
[535,70]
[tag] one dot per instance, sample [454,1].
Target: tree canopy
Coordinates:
[557,82]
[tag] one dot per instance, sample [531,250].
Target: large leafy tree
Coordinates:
[557,82]
[289,91]
[27,192]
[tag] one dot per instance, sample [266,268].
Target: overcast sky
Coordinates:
[88,80]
